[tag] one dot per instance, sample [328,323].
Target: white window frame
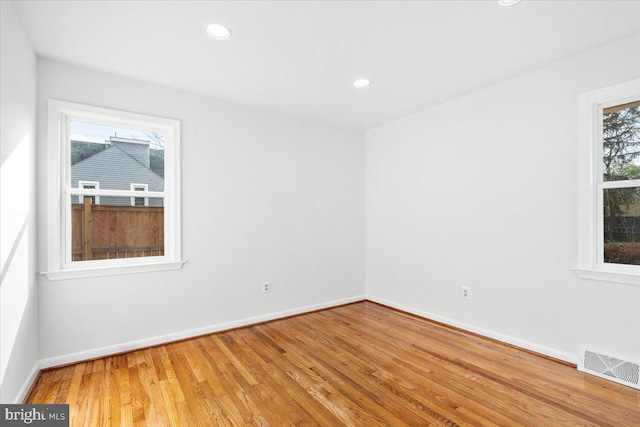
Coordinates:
[59,263]
[145,187]
[81,184]
[591,264]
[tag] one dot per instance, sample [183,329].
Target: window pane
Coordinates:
[116,230]
[621,142]
[116,157]
[622,225]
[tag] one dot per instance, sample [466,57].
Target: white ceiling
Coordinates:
[301,58]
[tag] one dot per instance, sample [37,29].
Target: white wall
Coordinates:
[19,297]
[482,192]
[265,197]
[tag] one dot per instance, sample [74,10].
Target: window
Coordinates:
[609,223]
[139,201]
[89,185]
[129,166]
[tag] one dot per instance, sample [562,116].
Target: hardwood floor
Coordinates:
[357,365]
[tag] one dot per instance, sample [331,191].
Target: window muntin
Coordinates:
[63,262]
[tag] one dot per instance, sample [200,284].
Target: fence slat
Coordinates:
[88,229]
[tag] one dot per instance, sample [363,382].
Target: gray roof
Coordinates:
[116,170]
[81,150]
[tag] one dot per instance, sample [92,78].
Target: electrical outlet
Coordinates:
[266,287]
[466,293]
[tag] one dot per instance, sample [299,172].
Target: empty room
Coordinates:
[330,213]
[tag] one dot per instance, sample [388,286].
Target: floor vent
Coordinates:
[611,368]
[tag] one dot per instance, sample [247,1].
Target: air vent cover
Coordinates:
[611,368]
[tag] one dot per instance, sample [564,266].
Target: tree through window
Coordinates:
[621,183]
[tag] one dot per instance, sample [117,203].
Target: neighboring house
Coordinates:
[121,164]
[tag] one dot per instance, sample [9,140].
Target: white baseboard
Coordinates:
[163,339]
[33,375]
[547,351]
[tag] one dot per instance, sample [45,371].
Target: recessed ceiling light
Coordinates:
[360,83]
[218,31]
[508,2]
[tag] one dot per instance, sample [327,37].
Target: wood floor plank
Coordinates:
[137,409]
[176,390]
[361,364]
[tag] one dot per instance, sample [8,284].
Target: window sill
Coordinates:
[78,273]
[608,276]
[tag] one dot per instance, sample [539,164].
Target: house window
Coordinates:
[111,157]
[610,184]
[139,201]
[89,185]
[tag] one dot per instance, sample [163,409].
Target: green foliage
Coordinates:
[81,150]
[621,142]
[621,149]
[631,171]
[156,162]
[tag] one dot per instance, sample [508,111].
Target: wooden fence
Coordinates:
[105,232]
